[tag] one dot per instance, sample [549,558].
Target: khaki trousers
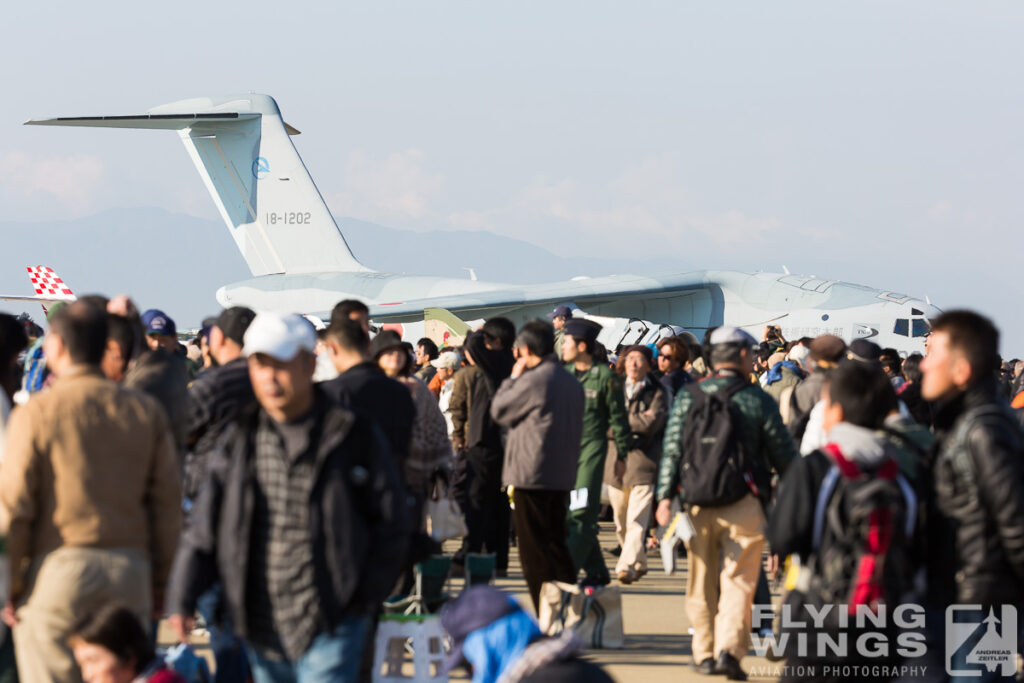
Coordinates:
[631,508]
[724,551]
[64,586]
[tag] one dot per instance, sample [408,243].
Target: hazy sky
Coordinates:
[880,143]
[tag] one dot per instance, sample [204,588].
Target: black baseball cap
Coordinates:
[582,329]
[234,321]
[864,351]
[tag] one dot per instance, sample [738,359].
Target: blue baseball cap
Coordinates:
[562,311]
[157,322]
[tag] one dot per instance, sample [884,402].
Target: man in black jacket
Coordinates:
[216,398]
[362,386]
[976,512]
[487,513]
[299,495]
[218,395]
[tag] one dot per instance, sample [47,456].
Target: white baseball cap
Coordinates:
[449,360]
[731,335]
[280,336]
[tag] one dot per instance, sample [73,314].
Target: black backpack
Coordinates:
[863,529]
[714,470]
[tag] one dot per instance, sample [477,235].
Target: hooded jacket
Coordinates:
[791,523]
[791,530]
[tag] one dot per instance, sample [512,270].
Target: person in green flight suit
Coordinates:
[604,407]
[559,316]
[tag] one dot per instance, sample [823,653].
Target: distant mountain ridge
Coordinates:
[176,262]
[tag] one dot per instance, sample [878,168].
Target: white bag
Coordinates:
[680,530]
[444,518]
[594,613]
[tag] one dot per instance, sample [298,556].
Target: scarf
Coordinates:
[496,647]
[775,374]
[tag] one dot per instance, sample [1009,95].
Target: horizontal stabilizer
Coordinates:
[37,299]
[151,121]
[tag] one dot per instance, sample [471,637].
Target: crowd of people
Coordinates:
[271,479]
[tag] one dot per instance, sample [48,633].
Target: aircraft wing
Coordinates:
[583,292]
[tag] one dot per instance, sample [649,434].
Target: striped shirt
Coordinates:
[283,609]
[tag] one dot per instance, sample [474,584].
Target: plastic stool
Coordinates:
[424,633]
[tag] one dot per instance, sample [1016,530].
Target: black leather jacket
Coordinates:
[976,515]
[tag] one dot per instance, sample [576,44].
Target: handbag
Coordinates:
[593,612]
[444,518]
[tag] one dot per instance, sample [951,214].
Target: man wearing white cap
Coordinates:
[290,518]
[447,363]
[722,477]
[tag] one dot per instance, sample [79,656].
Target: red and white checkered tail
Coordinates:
[49,284]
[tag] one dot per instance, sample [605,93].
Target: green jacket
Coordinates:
[762,432]
[604,407]
[789,379]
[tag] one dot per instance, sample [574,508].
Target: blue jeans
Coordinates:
[228,652]
[333,656]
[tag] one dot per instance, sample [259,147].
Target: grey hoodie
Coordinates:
[866,447]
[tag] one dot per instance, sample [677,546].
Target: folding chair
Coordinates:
[479,569]
[428,594]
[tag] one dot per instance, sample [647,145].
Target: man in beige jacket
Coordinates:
[90,499]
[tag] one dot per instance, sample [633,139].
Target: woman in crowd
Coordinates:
[632,497]
[429,448]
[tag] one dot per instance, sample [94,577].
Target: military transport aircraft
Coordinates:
[300,261]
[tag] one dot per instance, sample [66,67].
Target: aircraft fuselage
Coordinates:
[801,306]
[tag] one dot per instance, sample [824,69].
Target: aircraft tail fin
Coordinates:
[50,289]
[47,283]
[242,149]
[444,327]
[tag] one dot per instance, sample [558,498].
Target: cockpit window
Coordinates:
[920,328]
[902,326]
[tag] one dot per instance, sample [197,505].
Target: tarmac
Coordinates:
[654,620]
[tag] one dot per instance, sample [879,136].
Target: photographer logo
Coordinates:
[976,641]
